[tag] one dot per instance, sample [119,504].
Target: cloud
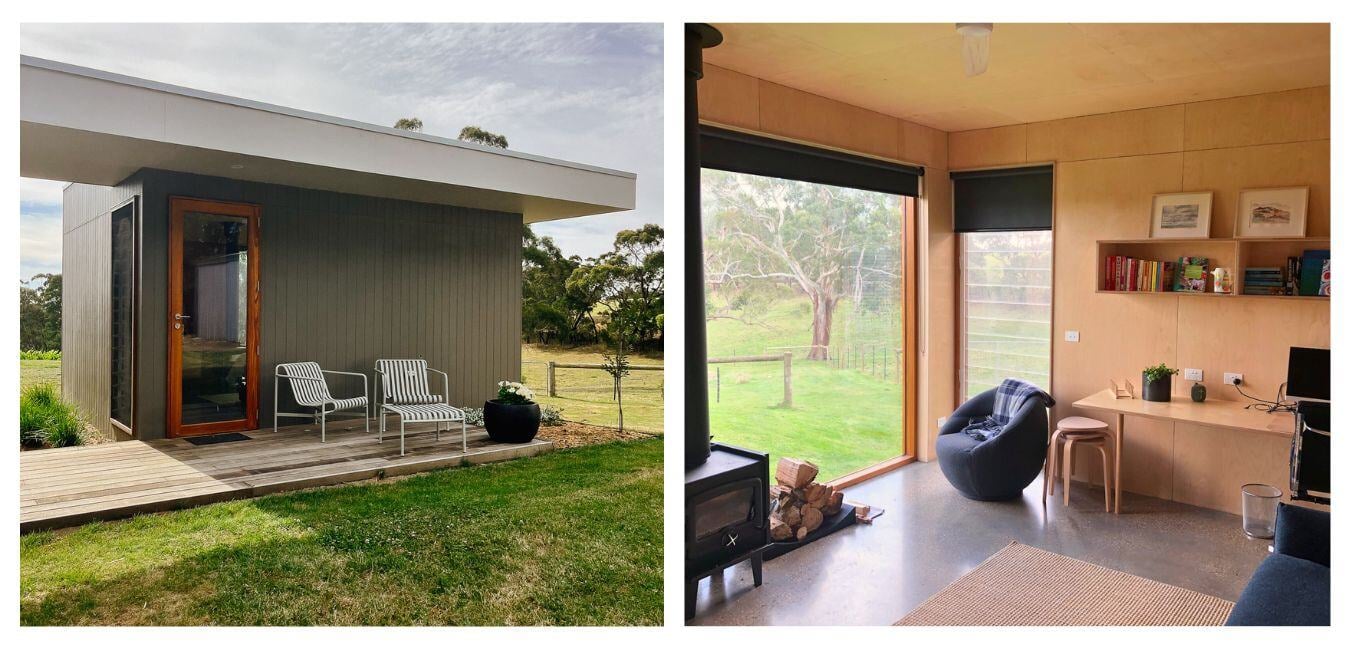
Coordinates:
[590,93]
[39,227]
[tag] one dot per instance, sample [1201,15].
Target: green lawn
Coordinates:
[841,419]
[569,538]
[37,372]
[587,395]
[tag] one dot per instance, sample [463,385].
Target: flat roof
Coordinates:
[84,125]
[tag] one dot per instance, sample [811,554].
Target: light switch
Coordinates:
[1071,336]
[1195,374]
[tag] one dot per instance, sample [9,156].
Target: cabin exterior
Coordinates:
[207,239]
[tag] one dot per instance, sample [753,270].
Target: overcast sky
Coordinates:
[586,93]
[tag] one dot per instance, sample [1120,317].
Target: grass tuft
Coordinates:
[46,419]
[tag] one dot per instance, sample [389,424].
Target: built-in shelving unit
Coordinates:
[1236,255]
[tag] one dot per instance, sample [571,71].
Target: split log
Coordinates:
[811,518]
[795,473]
[779,530]
[792,516]
[815,494]
[834,504]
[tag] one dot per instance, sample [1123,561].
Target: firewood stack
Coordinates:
[798,504]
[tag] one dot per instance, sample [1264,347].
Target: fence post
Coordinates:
[719,384]
[787,380]
[548,379]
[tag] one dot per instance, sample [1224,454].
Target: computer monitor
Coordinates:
[1309,374]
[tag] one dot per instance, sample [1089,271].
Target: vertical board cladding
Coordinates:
[348,279]
[86,266]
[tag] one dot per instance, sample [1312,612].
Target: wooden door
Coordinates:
[213,317]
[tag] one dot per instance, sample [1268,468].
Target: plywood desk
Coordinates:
[1223,414]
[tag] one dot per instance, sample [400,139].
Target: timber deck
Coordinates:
[75,485]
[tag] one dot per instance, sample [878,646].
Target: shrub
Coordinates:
[550,416]
[514,392]
[473,416]
[39,355]
[46,419]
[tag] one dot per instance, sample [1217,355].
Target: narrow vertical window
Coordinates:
[1005,218]
[1006,308]
[122,278]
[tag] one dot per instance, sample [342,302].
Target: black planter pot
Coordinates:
[1159,390]
[511,423]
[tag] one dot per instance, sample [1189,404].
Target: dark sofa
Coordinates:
[1293,585]
[997,469]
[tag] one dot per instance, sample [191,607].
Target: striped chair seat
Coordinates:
[405,382]
[311,389]
[425,412]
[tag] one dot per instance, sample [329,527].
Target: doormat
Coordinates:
[217,438]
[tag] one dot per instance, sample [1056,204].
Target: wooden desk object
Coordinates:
[1223,414]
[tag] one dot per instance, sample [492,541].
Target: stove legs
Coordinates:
[691,586]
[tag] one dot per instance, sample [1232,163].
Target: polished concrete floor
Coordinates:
[930,536]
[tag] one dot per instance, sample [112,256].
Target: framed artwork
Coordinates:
[1272,212]
[1183,214]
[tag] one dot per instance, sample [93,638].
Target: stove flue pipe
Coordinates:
[697,436]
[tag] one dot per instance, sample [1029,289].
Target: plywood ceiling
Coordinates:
[1036,71]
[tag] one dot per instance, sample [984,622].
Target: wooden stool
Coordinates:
[1081,431]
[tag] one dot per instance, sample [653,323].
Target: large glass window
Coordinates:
[805,291]
[1006,291]
[122,279]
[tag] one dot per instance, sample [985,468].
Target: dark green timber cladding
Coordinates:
[347,279]
[86,236]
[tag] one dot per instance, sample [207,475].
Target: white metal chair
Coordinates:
[311,389]
[407,394]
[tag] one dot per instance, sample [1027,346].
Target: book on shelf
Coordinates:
[1191,274]
[1124,273]
[1310,272]
[1264,281]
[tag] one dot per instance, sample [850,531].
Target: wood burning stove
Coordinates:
[726,515]
[726,489]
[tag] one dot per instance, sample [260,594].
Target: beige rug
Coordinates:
[1023,585]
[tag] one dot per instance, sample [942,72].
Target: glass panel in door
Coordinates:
[212,367]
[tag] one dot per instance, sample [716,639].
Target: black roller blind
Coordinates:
[734,151]
[1020,198]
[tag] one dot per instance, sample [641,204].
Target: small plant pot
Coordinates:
[1159,390]
[510,423]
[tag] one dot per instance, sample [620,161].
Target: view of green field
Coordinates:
[586,395]
[32,372]
[842,419]
[1007,308]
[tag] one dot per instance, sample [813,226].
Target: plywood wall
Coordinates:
[1108,167]
[729,98]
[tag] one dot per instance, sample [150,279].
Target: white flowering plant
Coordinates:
[514,392]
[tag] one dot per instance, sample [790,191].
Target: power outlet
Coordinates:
[1195,374]
[1071,336]
[1231,378]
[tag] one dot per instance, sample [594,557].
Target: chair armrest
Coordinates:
[1303,533]
[445,384]
[976,407]
[365,385]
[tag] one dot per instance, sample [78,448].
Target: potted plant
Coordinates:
[514,416]
[1158,383]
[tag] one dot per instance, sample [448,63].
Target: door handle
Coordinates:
[178,320]
[180,316]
